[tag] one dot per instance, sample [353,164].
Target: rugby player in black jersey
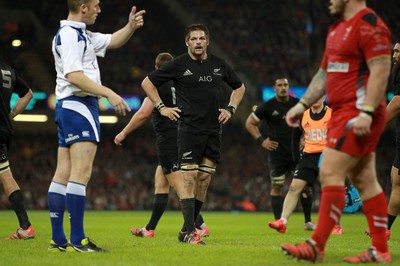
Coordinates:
[11,82]
[167,151]
[277,141]
[198,77]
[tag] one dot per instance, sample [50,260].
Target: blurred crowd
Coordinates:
[266,38]
[260,38]
[122,69]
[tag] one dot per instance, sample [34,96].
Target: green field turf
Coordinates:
[235,239]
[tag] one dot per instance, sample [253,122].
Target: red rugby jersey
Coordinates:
[349,45]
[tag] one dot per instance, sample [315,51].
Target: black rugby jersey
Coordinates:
[198,87]
[274,113]
[9,82]
[167,94]
[396,90]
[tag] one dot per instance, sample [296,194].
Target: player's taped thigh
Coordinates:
[278,180]
[4,166]
[189,167]
[207,169]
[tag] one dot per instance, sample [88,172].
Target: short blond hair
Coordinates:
[73,5]
[163,58]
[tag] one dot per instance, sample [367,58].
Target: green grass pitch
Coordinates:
[235,239]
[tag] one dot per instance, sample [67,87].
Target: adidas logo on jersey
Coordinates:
[187,73]
[275,112]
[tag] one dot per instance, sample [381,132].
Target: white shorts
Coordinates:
[77,119]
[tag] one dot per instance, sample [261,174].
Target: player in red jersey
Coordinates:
[354,74]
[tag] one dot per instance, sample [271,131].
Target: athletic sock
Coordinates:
[377,220]
[199,221]
[159,205]
[56,202]
[197,207]
[277,205]
[330,210]
[76,198]
[17,201]
[391,219]
[187,206]
[306,202]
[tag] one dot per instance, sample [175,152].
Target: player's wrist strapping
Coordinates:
[304,103]
[231,108]
[159,105]
[260,140]
[367,110]
[12,114]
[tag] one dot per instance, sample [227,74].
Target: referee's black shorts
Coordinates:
[307,167]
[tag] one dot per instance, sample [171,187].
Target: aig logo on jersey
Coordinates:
[205,79]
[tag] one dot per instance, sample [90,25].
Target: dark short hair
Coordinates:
[194,27]
[278,77]
[163,58]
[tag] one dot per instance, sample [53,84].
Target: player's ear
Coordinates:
[83,8]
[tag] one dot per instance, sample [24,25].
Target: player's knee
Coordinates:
[325,174]
[306,193]
[4,166]
[294,190]
[162,186]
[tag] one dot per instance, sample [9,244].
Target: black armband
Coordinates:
[260,140]
[304,103]
[230,109]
